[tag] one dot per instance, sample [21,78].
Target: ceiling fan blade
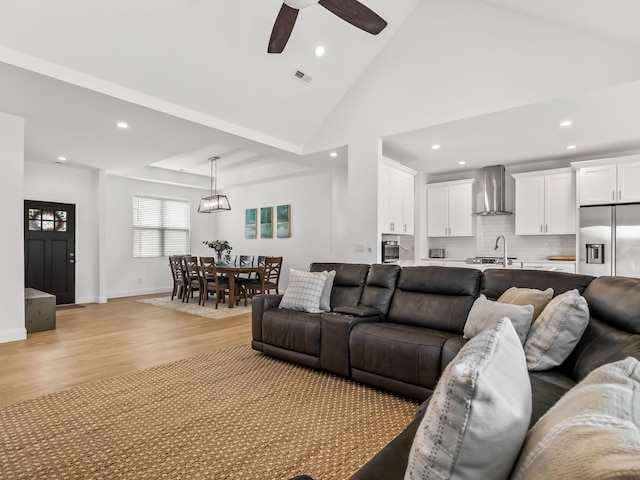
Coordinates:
[282,28]
[356,14]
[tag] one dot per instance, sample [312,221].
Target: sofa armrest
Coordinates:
[259,305]
[334,340]
[450,349]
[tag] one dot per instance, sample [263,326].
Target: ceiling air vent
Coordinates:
[303,77]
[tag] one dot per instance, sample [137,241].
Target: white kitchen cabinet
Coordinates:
[397,196]
[545,202]
[450,209]
[605,182]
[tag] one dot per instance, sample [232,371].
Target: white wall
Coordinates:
[494,59]
[315,228]
[126,275]
[65,184]
[11,238]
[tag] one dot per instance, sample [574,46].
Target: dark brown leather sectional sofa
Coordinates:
[397,329]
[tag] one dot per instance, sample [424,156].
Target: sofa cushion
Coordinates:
[528,296]
[402,352]
[479,413]
[304,291]
[557,330]
[435,297]
[495,281]
[292,330]
[381,283]
[348,284]
[615,300]
[486,313]
[592,432]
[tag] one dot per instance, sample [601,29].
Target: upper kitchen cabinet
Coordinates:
[450,209]
[614,180]
[397,197]
[545,202]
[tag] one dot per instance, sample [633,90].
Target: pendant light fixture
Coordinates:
[214,202]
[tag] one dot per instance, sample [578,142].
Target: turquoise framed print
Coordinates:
[283,221]
[250,223]
[266,222]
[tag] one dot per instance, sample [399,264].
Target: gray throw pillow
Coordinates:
[555,333]
[479,413]
[325,298]
[486,313]
[592,432]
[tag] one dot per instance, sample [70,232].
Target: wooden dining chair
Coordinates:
[213,281]
[179,285]
[268,278]
[193,277]
[245,261]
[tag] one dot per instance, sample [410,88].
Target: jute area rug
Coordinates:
[208,310]
[230,414]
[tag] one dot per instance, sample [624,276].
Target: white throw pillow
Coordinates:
[592,432]
[555,333]
[479,413]
[486,313]
[304,291]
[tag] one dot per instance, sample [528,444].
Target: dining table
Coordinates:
[232,271]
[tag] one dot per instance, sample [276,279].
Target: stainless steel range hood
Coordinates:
[493,190]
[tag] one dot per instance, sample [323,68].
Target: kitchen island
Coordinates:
[551,265]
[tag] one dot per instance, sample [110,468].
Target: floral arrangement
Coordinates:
[220,246]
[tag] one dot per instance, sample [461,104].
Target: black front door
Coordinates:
[49,248]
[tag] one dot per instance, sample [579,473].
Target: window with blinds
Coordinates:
[161,227]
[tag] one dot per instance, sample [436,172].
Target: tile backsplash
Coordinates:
[528,247]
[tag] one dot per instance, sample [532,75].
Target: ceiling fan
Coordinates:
[351,11]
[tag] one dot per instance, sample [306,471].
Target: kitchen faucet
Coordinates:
[504,252]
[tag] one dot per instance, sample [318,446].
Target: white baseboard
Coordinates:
[142,291]
[13,335]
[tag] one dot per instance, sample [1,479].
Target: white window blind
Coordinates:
[161,227]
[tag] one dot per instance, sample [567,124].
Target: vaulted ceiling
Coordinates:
[194,79]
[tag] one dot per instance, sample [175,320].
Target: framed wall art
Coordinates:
[283,221]
[250,223]
[266,222]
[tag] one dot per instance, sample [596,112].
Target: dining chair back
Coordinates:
[245,261]
[179,286]
[268,278]
[193,277]
[213,281]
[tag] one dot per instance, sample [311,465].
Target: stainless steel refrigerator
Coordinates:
[610,240]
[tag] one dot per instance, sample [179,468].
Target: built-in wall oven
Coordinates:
[390,251]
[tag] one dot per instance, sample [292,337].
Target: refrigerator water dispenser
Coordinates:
[595,252]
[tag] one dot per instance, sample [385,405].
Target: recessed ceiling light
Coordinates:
[566,123]
[319,51]
[333,154]
[435,147]
[462,162]
[123,125]
[62,159]
[571,147]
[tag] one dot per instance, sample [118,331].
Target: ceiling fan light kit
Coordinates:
[350,11]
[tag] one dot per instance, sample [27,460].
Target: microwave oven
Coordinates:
[390,251]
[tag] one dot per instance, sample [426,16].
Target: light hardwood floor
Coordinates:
[105,340]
